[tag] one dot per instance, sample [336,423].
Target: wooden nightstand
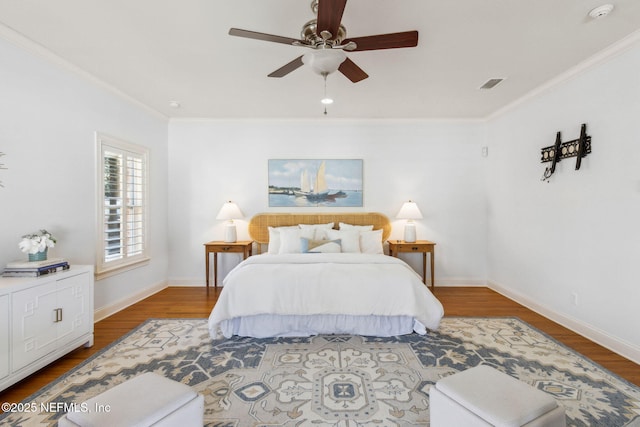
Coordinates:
[420,246]
[244,247]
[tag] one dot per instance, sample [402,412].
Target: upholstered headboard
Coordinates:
[260,223]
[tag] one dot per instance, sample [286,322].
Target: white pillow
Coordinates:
[371,242]
[344,226]
[274,238]
[319,230]
[350,239]
[311,246]
[290,239]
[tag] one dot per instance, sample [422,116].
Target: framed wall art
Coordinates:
[314,183]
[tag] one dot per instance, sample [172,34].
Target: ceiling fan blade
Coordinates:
[286,69]
[262,36]
[385,41]
[352,71]
[329,16]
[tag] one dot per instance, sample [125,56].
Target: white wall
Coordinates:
[580,233]
[541,243]
[437,164]
[48,117]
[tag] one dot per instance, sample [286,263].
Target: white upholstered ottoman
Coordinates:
[483,396]
[146,400]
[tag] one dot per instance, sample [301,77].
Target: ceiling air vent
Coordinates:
[490,84]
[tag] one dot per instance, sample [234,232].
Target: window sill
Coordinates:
[112,271]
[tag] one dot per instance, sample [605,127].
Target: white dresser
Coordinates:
[42,319]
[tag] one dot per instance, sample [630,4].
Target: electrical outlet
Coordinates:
[574,296]
[485,151]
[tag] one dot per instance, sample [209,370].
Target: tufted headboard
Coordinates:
[260,223]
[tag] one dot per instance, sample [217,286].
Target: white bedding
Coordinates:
[322,286]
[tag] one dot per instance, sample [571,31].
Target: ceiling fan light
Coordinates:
[324,61]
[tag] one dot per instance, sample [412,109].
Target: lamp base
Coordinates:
[410,232]
[230,235]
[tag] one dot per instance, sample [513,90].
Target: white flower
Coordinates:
[37,242]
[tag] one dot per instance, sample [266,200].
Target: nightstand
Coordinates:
[419,246]
[215,247]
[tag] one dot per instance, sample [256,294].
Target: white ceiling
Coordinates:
[161,50]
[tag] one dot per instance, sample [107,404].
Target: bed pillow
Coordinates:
[371,242]
[344,226]
[319,230]
[274,238]
[290,239]
[349,239]
[310,246]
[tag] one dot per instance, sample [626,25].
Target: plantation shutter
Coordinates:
[124,206]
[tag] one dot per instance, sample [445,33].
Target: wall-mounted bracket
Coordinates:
[563,150]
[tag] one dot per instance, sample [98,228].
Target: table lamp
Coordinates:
[409,211]
[229,212]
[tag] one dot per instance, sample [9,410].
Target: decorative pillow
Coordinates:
[274,238]
[319,246]
[319,230]
[290,239]
[350,239]
[371,242]
[344,226]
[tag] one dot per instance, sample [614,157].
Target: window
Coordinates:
[122,205]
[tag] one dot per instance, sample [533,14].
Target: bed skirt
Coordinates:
[270,325]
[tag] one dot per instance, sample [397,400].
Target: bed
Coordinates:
[322,274]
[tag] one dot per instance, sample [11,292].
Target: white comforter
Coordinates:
[325,284]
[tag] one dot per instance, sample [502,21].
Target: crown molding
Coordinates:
[590,63]
[19,40]
[337,120]
[599,58]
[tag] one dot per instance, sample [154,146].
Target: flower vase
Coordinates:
[38,256]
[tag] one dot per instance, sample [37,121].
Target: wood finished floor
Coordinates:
[196,302]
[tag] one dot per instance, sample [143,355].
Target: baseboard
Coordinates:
[104,312]
[596,335]
[621,347]
[460,282]
[188,283]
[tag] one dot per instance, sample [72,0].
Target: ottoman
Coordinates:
[146,400]
[483,396]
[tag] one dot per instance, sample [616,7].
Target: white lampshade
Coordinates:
[229,212]
[409,211]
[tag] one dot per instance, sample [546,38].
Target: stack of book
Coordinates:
[35,268]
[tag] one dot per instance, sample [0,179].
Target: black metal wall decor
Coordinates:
[563,150]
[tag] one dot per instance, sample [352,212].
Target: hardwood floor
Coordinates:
[197,303]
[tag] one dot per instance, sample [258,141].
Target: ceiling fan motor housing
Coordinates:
[308,34]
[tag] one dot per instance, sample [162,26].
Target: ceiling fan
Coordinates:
[327,38]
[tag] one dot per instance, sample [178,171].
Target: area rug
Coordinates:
[336,380]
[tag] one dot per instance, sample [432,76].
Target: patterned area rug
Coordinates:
[336,380]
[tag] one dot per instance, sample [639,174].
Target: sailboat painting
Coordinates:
[314,183]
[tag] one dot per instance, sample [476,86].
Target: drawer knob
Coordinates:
[414,248]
